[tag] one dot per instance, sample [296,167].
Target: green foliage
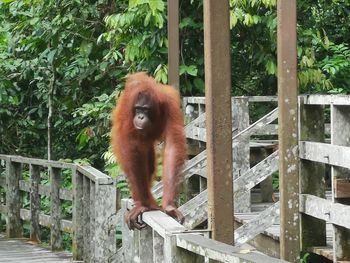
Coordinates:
[83,50]
[44,43]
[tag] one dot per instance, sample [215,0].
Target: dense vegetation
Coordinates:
[71,57]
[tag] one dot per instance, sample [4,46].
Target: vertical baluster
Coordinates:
[94,211]
[128,236]
[158,251]
[146,245]
[241,149]
[78,215]
[56,235]
[104,220]
[14,227]
[86,215]
[34,171]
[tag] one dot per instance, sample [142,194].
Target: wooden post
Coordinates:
[312,174]
[14,228]
[34,171]
[219,124]
[129,237]
[241,150]
[173,42]
[174,254]
[56,236]
[86,221]
[78,223]
[146,244]
[287,130]
[94,187]
[104,212]
[340,126]
[2,194]
[158,248]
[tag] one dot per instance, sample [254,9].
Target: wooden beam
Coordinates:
[173,42]
[219,121]
[254,227]
[323,209]
[221,252]
[288,129]
[325,153]
[327,99]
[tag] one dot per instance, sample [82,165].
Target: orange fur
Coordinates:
[135,152]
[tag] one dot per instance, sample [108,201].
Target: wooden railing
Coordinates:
[94,206]
[165,240]
[93,194]
[314,154]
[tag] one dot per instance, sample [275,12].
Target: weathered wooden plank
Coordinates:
[104,213]
[312,174]
[34,171]
[12,251]
[256,127]
[325,153]
[41,162]
[241,151]
[158,245]
[201,100]
[340,135]
[334,213]
[95,175]
[65,194]
[326,99]
[45,220]
[256,174]
[93,226]
[262,98]
[162,223]
[86,218]
[219,251]
[174,254]
[78,216]
[196,129]
[146,245]
[342,188]
[257,225]
[13,200]
[55,184]
[128,237]
[195,210]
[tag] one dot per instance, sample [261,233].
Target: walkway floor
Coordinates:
[20,251]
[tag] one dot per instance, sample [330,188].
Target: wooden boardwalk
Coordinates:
[20,251]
